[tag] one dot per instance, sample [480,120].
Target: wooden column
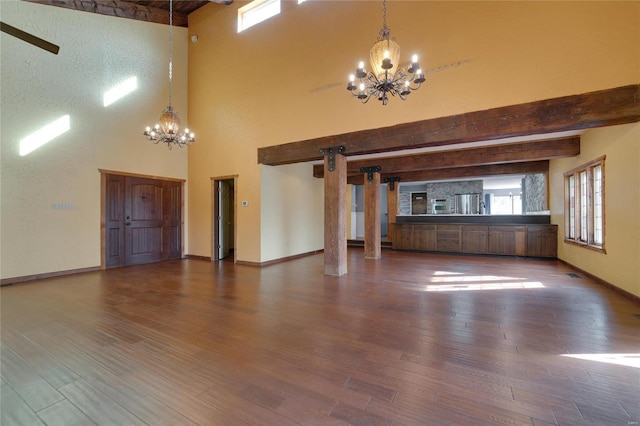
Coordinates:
[372,249]
[393,198]
[335,211]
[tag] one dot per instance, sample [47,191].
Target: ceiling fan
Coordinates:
[29,38]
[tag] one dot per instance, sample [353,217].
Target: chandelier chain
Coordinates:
[384,31]
[170,48]
[168,129]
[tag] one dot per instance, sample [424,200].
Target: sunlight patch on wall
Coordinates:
[630,360]
[44,135]
[121,90]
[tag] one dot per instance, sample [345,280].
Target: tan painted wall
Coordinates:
[96,53]
[620,265]
[283,80]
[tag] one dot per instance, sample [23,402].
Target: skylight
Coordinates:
[256,12]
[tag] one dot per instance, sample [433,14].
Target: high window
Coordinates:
[584,205]
[256,12]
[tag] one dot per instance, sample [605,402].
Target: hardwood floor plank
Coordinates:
[14,410]
[60,376]
[196,342]
[474,409]
[64,413]
[357,417]
[31,387]
[97,406]
[148,409]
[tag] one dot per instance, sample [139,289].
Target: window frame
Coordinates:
[581,197]
[253,7]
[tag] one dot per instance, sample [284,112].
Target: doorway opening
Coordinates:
[223,216]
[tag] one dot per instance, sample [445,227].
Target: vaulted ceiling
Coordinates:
[142,10]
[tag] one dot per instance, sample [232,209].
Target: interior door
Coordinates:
[143,220]
[224,219]
[114,220]
[172,219]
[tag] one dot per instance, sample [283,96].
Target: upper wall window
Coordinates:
[256,12]
[584,205]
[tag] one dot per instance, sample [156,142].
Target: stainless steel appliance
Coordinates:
[439,206]
[467,203]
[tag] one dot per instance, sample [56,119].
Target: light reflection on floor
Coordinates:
[630,360]
[455,281]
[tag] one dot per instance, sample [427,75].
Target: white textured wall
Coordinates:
[96,53]
[289,193]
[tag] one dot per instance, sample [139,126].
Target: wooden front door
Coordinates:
[143,220]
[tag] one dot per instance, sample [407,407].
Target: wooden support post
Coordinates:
[372,238]
[335,211]
[393,199]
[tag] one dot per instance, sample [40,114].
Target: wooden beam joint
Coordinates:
[370,171]
[392,182]
[331,152]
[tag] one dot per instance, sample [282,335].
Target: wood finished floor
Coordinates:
[410,339]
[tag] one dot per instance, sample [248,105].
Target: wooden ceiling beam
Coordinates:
[494,154]
[461,172]
[609,107]
[121,9]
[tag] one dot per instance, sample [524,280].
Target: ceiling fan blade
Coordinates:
[29,38]
[225,2]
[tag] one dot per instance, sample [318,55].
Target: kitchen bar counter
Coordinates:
[481,219]
[533,239]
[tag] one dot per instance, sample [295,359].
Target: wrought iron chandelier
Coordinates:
[386,77]
[168,129]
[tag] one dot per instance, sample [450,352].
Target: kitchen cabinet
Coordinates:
[424,237]
[504,240]
[475,239]
[448,238]
[542,241]
[507,240]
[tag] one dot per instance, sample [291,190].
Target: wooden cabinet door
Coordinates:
[475,239]
[542,241]
[404,237]
[448,238]
[424,237]
[502,240]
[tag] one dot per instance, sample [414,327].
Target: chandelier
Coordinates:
[168,128]
[386,76]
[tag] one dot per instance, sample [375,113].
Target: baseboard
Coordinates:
[604,283]
[16,280]
[196,257]
[280,260]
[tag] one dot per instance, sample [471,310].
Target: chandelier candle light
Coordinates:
[386,77]
[168,129]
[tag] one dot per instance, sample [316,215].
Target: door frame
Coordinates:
[103,205]
[214,216]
